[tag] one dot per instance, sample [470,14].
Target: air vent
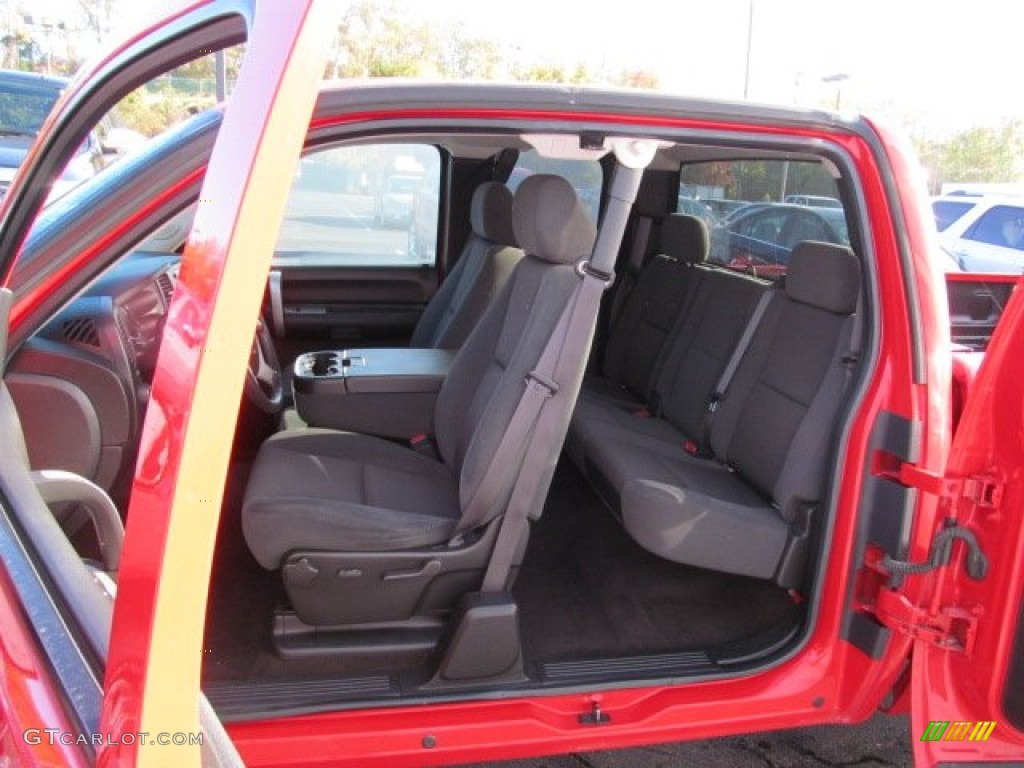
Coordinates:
[82,330]
[166,286]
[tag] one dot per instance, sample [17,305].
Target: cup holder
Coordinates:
[320,364]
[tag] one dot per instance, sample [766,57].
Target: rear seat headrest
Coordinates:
[549,221]
[824,275]
[490,214]
[685,238]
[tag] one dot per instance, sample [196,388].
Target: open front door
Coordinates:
[968,665]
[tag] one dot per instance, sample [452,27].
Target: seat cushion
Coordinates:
[320,489]
[700,513]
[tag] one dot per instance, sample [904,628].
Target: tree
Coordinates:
[374,40]
[638,78]
[97,15]
[979,154]
[551,73]
[473,57]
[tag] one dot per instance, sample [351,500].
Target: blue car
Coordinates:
[762,237]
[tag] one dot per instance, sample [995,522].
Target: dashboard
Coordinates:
[81,384]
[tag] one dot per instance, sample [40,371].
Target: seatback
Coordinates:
[703,344]
[666,284]
[775,422]
[487,377]
[484,266]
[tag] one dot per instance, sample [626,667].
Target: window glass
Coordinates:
[1003,225]
[586,176]
[25,103]
[948,211]
[757,211]
[374,205]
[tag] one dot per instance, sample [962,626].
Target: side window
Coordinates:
[1002,225]
[947,211]
[586,176]
[373,205]
[758,210]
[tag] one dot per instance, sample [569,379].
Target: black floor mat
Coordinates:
[587,590]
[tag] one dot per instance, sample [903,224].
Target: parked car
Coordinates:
[723,208]
[988,236]
[697,208]
[950,208]
[26,99]
[395,203]
[813,201]
[801,541]
[762,236]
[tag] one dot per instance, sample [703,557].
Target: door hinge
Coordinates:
[984,491]
[958,496]
[950,627]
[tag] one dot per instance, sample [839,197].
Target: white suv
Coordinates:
[984,234]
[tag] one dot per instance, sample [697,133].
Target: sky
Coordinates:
[954,63]
[937,65]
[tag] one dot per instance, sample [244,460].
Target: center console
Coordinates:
[384,392]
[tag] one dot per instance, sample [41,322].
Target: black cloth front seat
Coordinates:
[327,491]
[484,266]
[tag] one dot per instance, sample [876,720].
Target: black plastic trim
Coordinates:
[1013,689]
[884,518]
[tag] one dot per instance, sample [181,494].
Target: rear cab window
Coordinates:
[373,205]
[756,211]
[586,176]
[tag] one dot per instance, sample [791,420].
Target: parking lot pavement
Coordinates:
[882,741]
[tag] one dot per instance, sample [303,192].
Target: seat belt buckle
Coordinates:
[691,447]
[538,379]
[423,443]
[641,413]
[713,402]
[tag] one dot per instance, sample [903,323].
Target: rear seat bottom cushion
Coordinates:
[703,515]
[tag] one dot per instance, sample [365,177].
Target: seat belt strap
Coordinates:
[637,256]
[852,357]
[741,349]
[641,239]
[703,445]
[570,348]
[565,353]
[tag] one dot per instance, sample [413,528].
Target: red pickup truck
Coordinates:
[539,473]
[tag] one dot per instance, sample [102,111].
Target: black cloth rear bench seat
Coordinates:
[746,507]
[651,311]
[706,333]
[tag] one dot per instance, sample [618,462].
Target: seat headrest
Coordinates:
[549,221]
[685,238]
[490,213]
[824,275]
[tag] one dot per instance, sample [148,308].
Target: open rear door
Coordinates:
[968,665]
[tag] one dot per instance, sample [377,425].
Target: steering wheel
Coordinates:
[263,380]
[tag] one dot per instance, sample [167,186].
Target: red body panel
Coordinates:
[186,339]
[952,685]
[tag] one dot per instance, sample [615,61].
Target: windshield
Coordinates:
[23,108]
